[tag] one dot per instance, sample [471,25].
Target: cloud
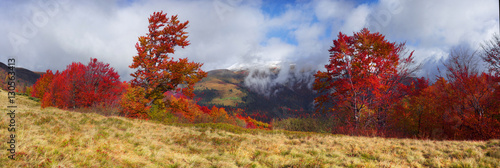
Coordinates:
[435,24]
[225,33]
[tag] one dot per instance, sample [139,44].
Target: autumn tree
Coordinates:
[473,95]
[156,70]
[491,54]
[409,115]
[101,85]
[79,85]
[363,73]
[133,103]
[459,105]
[42,84]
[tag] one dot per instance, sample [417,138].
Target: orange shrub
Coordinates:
[134,104]
[185,109]
[252,123]
[219,115]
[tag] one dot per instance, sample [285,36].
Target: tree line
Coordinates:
[369,89]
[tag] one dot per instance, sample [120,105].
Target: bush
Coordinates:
[252,123]
[133,103]
[158,114]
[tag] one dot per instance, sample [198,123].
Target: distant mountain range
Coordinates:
[230,89]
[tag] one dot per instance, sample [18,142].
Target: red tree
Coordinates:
[157,71]
[79,85]
[42,84]
[406,118]
[101,85]
[461,105]
[362,74]
[473,94]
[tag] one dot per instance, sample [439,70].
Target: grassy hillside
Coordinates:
[51,137]
[221,87]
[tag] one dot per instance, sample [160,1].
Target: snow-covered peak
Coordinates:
[250,66]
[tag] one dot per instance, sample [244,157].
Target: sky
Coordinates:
[50,34]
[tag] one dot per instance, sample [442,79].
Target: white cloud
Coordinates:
[328,10]
[357,19]
[229,32]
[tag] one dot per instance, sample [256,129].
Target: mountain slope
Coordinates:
[52,137]
[24,77]
[226,88]
[222,88]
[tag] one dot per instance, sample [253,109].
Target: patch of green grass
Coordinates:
[493,152]
[44,120]
[34,99]
[368,156]
[101,134]
[84,120]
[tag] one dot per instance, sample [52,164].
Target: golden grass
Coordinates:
[52,137]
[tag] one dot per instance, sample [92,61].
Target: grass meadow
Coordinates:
[52,137]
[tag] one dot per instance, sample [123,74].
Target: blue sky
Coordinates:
[235,33]
[276,8]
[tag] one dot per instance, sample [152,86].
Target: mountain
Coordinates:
[24,77]
[264,100]
[259,91]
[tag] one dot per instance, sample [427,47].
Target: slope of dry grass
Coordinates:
[52,137]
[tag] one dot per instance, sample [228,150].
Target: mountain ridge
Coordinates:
[24,77]
[264,100]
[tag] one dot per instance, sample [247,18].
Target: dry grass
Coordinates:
[51,137]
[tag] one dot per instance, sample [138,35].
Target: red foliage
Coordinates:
[362,78]
[80,86]
[166,81]
[101,85]
[184,107]
[363,85]
[476,106]
[158,72]
[62,88]
[205,109]
[133,103]
[465,107]
[253,124]
[42,84]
